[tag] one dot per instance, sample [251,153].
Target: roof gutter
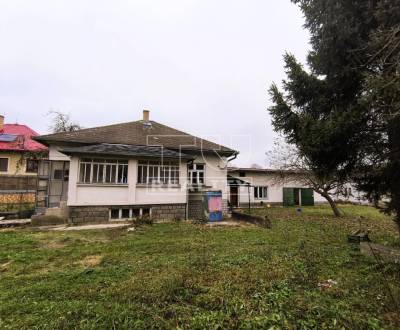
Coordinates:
[233,157]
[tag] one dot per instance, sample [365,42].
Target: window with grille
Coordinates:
[260,192]
[156,172]
[103,171]
[31,166]
[196,174]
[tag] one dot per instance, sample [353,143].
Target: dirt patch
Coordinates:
[5,267]
[228,224]
[381,252]
[54,245]
[91,261]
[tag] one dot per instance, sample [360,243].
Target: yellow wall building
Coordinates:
[16,164]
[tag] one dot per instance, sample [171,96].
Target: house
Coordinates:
[257,186]
[19,155]
[133,169]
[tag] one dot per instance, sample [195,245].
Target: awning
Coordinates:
[235,182]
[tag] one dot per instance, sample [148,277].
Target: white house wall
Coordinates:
[130,194]
[215,173]
[148,195]
[275,188]
[136,194]
[55,155]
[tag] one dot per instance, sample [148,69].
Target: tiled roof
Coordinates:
[22,139]
[106,149]
[137,133]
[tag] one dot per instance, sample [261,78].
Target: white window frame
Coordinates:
[195,172]
[163,173]
[120,217]
[261,192]
[106,164]
[8,164]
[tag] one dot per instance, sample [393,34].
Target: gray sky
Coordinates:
[202,66]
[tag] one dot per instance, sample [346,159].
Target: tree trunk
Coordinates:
[393,169]
[332,203]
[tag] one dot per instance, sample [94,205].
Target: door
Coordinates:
[234,197]
[288,197]
[307,197]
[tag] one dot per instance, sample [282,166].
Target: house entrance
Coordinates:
[234,191]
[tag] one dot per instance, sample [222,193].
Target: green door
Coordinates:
[288,196]
[307,197]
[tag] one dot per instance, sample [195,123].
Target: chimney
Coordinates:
[146,116]
[1,122]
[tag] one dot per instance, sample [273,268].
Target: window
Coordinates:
[242,174]
[196,174]
[155,172]
[119,213]
[3,164]
[103,171]
[57,174]
[125,214]
[260,192]
[114,214]
[31,166]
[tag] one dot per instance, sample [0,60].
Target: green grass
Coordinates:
[188,276]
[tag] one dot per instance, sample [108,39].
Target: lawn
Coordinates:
[182,275]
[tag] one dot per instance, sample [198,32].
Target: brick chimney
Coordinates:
[146,116]
[1,122]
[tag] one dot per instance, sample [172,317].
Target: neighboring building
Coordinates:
[132,169]
[266,186]
[19,155]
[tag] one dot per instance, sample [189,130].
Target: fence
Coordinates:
[17,195]
[18,182]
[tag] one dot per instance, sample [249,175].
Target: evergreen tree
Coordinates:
[344,113]
[318,110]
[379,172]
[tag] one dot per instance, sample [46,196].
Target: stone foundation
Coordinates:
[168,212]
[101,214]
[88,214]
[195,210]
[225,207]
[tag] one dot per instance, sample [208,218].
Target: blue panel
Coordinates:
[7,137]
[215,216]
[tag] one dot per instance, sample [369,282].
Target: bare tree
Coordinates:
[61,122]
[292,167]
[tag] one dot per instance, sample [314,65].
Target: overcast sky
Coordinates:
[202,66]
